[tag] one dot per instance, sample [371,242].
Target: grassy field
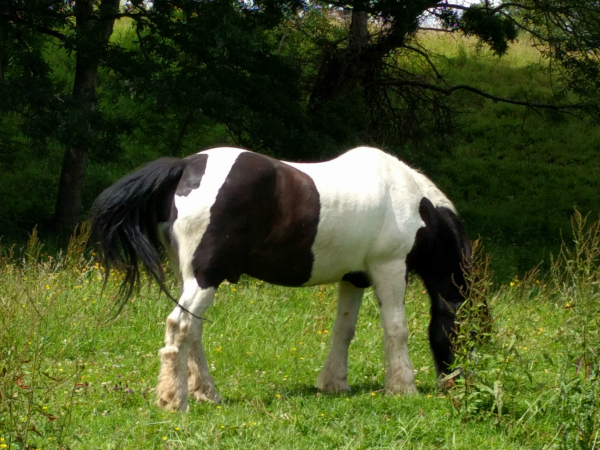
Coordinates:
[72,376]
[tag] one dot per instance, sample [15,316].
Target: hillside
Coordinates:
[515,174]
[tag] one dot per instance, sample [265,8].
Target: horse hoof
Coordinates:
[210,396]
[333,386]
[448,381]
[445,383]
[171,405]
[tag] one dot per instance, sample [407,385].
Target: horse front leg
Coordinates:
[334,375]
[180,337]
[389,280]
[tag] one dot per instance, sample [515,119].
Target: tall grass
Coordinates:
[72,376]
[498,370]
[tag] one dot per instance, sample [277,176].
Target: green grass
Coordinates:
[72,378]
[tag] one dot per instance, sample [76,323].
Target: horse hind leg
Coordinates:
[389,280]
[334,375]
[201,385]
[181,337]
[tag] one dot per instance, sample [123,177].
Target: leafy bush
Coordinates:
[495,368]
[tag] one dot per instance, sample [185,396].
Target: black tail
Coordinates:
[125,220]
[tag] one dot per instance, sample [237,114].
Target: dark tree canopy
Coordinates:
[292,78]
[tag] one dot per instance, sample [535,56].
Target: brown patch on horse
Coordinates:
[263,223]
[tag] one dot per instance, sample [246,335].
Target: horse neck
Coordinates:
[432,192]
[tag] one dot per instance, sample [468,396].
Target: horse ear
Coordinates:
[459,235]
[444,233]
[430,216]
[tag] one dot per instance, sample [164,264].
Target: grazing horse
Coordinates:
[362,219]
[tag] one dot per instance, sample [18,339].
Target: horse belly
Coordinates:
[342,244]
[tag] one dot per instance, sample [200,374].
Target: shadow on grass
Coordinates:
[309,391]
[356,390]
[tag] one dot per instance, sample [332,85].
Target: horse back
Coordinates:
[292,224]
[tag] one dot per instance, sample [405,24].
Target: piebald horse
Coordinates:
[362,219]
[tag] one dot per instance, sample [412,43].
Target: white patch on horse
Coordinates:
[193,210]
[355,225]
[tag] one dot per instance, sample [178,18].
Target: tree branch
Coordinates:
[426,56]
[121,15]
[452,6]
[442,30]
[451,89]
[522,27]
[47,31]
[512,5]
[40,28]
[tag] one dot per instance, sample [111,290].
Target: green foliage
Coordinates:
[514,174]
[29,380]
[220,74]
[569,34]
[576,275]
[491,27]
[30,36]
[214,61]
[579,410]
[472,347]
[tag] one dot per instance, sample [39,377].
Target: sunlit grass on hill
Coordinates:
[72,376]
[521,53]
[515,173]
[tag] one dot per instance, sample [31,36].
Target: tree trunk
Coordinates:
[93,36]
[3,57]
[3,65]
[189,119]
[349,68]
[359,33]
[342,71]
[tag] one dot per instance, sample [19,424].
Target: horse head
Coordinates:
[441,256]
